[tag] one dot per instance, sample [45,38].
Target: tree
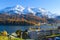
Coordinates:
[18,32]
[4,33]
[25,34]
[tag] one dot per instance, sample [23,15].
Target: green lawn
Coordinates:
[54,35]
[6,38]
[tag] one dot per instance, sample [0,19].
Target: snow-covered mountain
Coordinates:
[18,9]
[12,10]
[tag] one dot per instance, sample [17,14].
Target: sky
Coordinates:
[50,5]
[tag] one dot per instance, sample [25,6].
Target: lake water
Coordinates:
[11,29]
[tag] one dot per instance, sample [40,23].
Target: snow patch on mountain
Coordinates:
[18,9]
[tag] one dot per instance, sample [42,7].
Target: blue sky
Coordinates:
[51,5]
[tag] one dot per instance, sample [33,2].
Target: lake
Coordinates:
[11,29]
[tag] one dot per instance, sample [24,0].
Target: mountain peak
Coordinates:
[18,5]
[18,9]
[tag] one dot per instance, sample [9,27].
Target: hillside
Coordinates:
[18,15]
[20,20]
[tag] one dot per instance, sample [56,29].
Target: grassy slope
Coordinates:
[6,38]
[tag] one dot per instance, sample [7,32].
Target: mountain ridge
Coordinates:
[18,15]
[18,9]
